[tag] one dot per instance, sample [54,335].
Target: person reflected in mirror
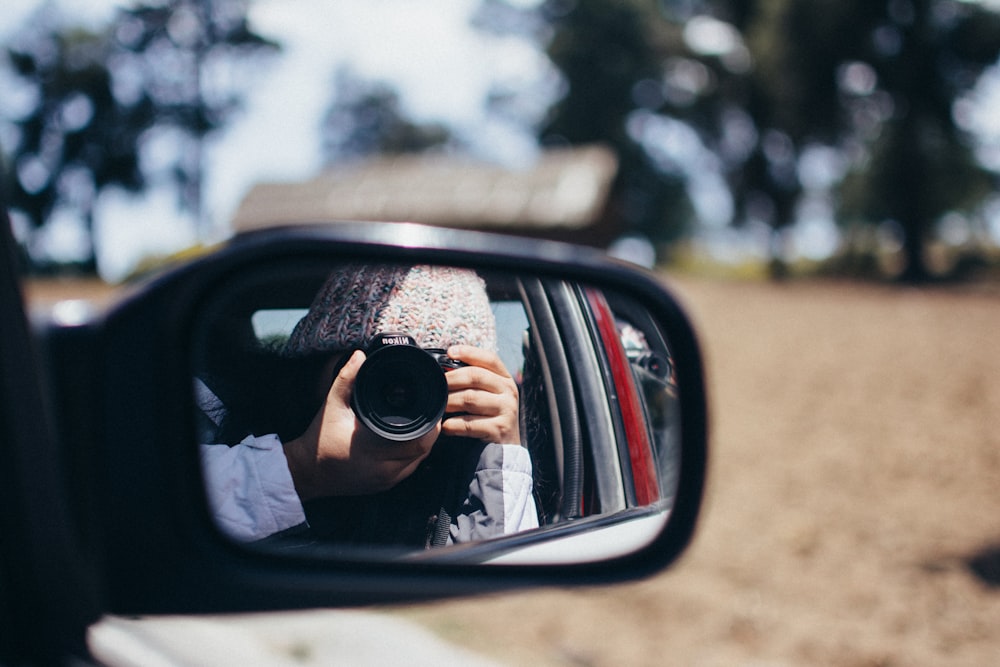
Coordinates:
[317,469]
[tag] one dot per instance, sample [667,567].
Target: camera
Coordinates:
[653,365]
[401,392]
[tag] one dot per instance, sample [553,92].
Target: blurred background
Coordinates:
[835,162]
[762,138]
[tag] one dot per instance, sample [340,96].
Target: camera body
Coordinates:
[400,392]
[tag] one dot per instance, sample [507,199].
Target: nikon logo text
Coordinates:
[395,340]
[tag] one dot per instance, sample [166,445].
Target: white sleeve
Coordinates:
[250,490]
[518,497]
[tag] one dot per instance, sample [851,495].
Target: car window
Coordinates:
[651,361]
[512,327]
[273,326]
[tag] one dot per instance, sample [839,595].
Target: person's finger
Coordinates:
[488,400]
[483,414]
[498,429]
[476,356]
[480,379]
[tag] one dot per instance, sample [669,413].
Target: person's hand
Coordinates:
[338,456]
[482,398]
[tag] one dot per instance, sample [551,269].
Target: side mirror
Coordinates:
[610,422]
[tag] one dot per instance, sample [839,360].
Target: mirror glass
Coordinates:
[361,410]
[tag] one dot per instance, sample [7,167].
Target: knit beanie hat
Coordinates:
[438,305]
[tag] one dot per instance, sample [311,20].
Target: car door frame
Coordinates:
[48,593]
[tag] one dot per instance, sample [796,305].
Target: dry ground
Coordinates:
[854,493]
[853,509]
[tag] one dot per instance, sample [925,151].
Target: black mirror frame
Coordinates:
[159,551]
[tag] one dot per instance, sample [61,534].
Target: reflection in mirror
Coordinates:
[382,410]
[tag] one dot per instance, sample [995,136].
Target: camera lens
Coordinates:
[400,392]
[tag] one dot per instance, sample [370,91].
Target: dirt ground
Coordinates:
[853,508]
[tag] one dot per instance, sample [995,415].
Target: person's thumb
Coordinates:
[343,384]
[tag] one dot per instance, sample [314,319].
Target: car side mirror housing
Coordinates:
[611,418]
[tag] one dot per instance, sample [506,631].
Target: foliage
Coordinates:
[95,98]
[762,82]
[367,118]
[608,54]
[169,46]
[77,138]
[880,80]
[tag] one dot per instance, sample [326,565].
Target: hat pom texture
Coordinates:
[438,306]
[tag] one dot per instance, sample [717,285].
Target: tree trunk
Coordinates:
[916,270]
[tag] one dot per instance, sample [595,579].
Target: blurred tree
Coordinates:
[182,56]
[670,86]
[763,81]
[761,142]
[367,118]
[75,138]
[611,56]
[880,81]
[711,82]
[91,101]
